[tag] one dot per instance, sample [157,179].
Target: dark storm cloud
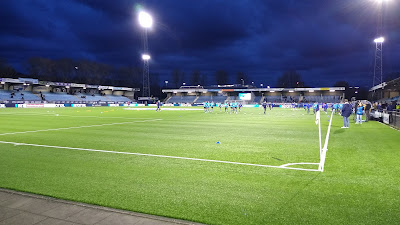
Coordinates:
[324,41]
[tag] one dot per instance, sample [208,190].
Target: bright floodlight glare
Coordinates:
[145,57]
[145,20]
[379,40]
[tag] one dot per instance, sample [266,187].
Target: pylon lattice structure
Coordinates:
[378,69]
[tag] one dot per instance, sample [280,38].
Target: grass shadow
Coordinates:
[339,131]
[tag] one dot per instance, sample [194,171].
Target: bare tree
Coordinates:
[290,79]
[241,78]
[42,68]
[195,78]
[221,77]
[7,70]
[177,77]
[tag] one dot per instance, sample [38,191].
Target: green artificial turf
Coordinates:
[360,184]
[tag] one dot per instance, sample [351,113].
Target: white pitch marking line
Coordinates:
[292,164]
[388,126]
[87,126]
[60,115]
[103,117]
[160,156]
[44,114]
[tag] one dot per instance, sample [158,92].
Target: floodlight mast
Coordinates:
[145,21]
[378,67]
[146,57]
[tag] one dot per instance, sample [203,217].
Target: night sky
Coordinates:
[325,41]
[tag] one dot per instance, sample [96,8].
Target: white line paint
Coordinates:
[28,114]
[106,117]
[68,128]
[159,156]
[387,125]
[292,164]
[60,115]
[165,109]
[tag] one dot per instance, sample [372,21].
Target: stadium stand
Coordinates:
[318,98]
[6,95]
[208,98]
[182,99]
[202,99]
[257,99]
[272,98]
[218,99]
[116,98]
[29,96]
[91,98]
[60,97]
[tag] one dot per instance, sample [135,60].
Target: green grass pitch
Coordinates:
[360,184]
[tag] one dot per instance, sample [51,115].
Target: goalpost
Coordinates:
[324,149]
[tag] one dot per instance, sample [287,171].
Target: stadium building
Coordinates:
[251,95]
[386,91]
[33,92]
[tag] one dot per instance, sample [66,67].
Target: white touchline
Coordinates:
[87,126]
[160,156]
[388,126]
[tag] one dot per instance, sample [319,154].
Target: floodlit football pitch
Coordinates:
[212,168]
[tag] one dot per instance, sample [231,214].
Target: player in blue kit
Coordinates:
[232,107]
[315,107]
[236,107]
[293,106]
[158,106]
[264,105]
[325,106]
[340,107]
[205,107]
[226,107]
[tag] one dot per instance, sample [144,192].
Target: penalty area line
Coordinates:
[159,156]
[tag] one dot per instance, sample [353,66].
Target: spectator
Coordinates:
[379,106]
[359,112]
[346,112]
[367,111]
[390,107]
